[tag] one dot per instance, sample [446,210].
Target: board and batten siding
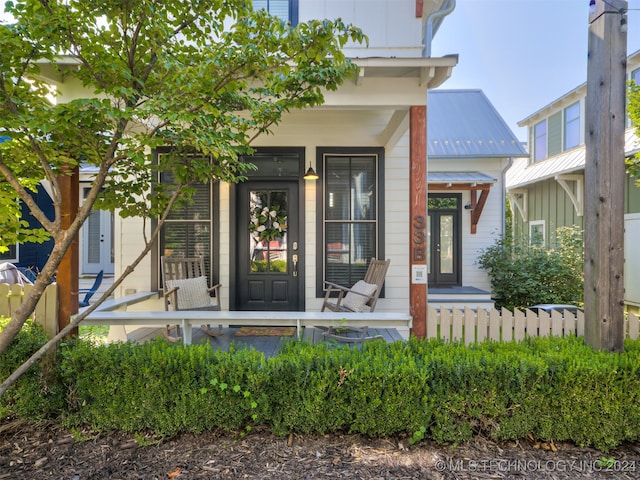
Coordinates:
[549,202]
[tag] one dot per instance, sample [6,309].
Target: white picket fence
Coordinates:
[46,312]
[471,326]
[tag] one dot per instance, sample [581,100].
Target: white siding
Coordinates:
[129,242]
[490,226]
[396,211]
[391,25]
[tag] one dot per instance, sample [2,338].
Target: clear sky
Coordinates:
[523,54]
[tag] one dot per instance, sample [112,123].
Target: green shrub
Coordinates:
[524,275]
[551,388]
[38,393]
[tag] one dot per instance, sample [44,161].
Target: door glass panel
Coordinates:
[429,245]
[268,231]
[93,237]
[446,243]
[443,203]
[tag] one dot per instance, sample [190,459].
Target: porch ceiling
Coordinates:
[350,127]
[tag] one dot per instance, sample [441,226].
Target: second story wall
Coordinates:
[391,25]
[560,126]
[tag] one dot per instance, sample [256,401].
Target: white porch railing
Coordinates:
[465,325]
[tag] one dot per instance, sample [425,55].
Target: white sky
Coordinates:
[523,54]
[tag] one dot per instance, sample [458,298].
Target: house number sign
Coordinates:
[419,236]
[418,247]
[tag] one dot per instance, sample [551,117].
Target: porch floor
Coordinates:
[456,290]
[270,346]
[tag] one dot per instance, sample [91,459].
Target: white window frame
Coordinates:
[571,122]
[5,257]
[533,226]
[634,75]
[538,139]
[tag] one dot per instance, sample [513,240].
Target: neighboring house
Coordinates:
[547,190]
[469,149]
[97,249]
[31,255]
[96,246]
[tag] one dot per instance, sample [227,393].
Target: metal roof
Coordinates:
[523,173]
[459,177]
[464,124]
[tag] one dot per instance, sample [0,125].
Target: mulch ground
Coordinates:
[50,452]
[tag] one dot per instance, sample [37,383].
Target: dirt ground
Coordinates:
[50,452]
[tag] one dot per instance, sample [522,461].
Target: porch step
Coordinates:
[460,297]
[86,281]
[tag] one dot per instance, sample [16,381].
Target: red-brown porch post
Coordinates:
[418,219]
[67,276]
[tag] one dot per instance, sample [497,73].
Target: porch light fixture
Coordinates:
[311,174]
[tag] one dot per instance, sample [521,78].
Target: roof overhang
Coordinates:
[474,182]
[450,179]
[430,72]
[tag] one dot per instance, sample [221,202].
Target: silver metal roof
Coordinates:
[459,177]
[523,173]
[464,124]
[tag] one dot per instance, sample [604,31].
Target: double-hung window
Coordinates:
[10,255]
[287,10]
[351,226]
[188,229]
[537,233]
[572,126]
[635,77]
[540,141]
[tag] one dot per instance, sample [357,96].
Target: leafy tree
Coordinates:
[633,110]
[524,275]
[203,78]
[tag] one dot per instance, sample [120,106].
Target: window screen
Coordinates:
[287,10]
[351,216]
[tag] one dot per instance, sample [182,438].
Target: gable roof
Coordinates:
[464,124]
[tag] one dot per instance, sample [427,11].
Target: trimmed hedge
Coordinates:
[38,393]
[552,388]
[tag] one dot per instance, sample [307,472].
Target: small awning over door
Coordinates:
[473,181]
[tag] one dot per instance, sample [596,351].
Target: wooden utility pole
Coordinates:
[605,176]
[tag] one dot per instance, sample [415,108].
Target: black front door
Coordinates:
[268,255]
[443,229]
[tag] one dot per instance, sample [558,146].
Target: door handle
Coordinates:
[294,260]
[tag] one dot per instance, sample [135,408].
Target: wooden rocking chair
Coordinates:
[186,288]
[363,296]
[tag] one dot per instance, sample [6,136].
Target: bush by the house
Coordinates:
[523,275]
[38,394]
[551,388]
